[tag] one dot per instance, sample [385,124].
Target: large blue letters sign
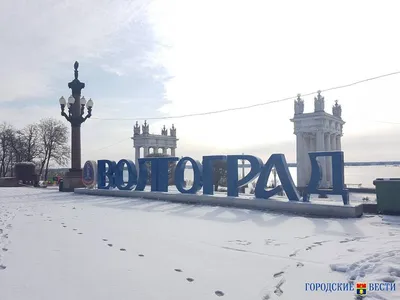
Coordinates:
[111,175]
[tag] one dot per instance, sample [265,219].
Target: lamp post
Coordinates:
[75,116]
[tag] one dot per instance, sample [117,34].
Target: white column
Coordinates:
[339,142]
[328,160]
[313,143]
[308,147]
[320,146]
[164,150]
[145,151]
[137,156]
[172,151]
[320,141]
[333,142]
[300,162]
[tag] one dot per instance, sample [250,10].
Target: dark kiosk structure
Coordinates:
[76,110]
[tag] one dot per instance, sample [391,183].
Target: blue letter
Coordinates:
[102,173]
[337,176]
[279,161]
[312,287]
[348,286]
[162,172]
[119,175]
[197,175]
[143,173]
[233,179]
[208,173]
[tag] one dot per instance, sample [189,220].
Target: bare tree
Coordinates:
[53,144]
[6,155]
[30,135]
[16,144]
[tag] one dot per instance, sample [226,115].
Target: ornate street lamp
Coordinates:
[76,110]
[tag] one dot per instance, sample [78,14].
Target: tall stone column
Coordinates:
[145,151]
[320,141]
[172,152]
[339,142]
[300,160]
[137,156]
[308,141]
[333,142]
[164,150]
[320,146]
[328,160]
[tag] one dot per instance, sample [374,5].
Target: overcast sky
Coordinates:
[142,59]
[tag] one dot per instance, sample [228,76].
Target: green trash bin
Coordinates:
[388,195]
[60,185]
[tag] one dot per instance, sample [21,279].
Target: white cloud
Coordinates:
[37,36]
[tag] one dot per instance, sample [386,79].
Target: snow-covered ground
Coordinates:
[64,246]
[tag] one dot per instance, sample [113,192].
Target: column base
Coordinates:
[72,180]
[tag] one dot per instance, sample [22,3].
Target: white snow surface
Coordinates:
[64,246]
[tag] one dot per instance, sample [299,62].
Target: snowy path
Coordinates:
[63,246]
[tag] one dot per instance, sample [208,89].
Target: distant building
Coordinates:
[153,143]
[316,131]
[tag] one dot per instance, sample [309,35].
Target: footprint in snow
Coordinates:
[278,274]
[178,270]
[109,245]
[122,249]
[190,279]
[105,240]
[219,293]
[2,267]
[319,243]
[347,240]
[240,242]
[141,255]
[278,290]
[4,249]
